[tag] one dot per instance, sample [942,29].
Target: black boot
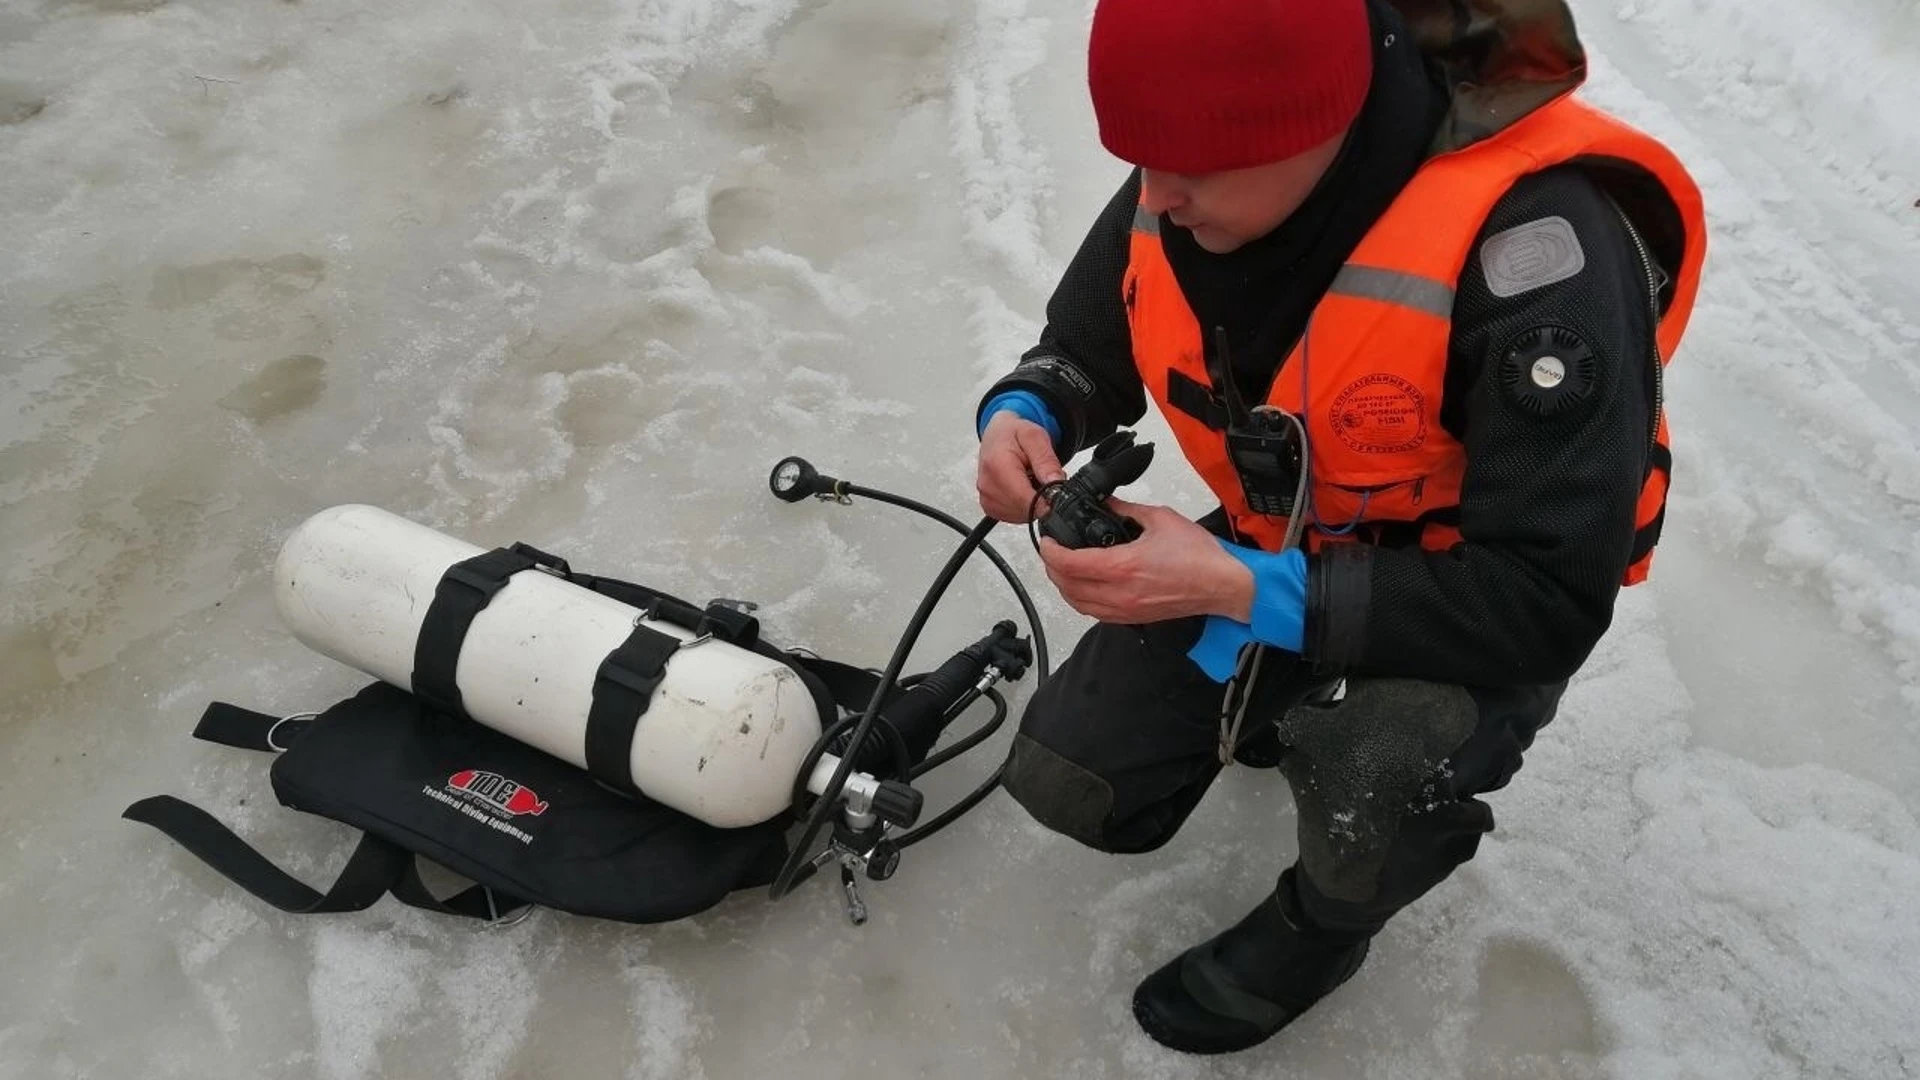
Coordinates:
[1244,985]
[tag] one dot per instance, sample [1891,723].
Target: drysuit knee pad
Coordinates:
[1058,793]
[1358,765]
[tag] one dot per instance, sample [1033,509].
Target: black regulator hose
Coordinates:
[977,795]
[793,480]
[1027,609]
[828,802]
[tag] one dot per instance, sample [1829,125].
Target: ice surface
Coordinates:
[578,272]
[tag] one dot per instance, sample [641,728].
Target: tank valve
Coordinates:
[897,804]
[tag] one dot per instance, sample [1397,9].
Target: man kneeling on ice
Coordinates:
[1378,245]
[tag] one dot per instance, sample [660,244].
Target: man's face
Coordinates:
[1225,210]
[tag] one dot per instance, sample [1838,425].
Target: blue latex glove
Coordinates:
[1279,612]
[1027,406]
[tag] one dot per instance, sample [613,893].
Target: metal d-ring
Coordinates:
[271,731]
[494,919]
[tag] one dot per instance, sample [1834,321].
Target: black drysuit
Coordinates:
[1117,748]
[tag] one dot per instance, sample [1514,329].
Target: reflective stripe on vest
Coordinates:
[1393,287]
[1369,371]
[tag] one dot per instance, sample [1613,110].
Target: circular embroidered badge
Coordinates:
[1381,414]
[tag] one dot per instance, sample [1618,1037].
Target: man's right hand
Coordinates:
[1015,455]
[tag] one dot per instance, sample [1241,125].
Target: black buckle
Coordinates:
[552,564]
[729,624]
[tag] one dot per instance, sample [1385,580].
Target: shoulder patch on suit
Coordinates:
[1530,256]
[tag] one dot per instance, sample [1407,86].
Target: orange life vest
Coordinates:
[1370,369]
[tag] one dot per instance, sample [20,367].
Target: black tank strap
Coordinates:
[724,619]
[622,690]
[624,686]
[464,591]
[729,624]
[664,607]
[851,687]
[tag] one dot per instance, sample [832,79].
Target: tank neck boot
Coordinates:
[1241,987]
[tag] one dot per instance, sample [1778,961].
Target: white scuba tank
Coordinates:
[722,739]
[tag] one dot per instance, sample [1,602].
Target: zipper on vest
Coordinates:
[1647,269]
[1419,488]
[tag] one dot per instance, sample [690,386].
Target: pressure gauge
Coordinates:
[793,479]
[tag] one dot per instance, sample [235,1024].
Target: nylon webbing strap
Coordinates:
[729,624]
[231,725]
[852,687]
[622,690]
[375,868]
[464,591]
[1397,534]
[721,618]
[1196,400]
[1645,538]
[1648,535]
[1408,534]
[372,869]
[657,605]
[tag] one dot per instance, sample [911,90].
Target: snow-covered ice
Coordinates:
[578,272]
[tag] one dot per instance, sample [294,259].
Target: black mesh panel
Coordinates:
[1548,501]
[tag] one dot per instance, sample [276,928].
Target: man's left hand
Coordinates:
[1175,569]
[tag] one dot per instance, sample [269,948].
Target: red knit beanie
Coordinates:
[1200,86]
